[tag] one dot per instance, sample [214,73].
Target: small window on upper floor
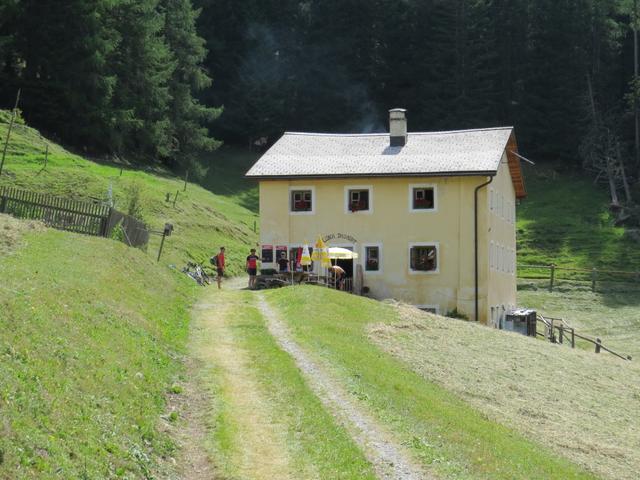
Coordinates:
[423,198]
[301,200]
[423,258]
[358,200]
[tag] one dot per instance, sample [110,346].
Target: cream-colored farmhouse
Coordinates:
[431,214]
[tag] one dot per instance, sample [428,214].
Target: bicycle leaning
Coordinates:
[197,273]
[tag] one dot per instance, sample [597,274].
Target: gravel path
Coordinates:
[389,460]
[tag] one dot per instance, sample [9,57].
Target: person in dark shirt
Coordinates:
[252,268]
[283,263]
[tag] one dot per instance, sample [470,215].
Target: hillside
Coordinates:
[91,345]
[565,220]
[203,220]
[452,399]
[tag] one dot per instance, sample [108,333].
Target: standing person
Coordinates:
[220,266]
[252,268]
[283,263]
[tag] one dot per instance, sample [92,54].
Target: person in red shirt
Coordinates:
[252,268]
[220,266]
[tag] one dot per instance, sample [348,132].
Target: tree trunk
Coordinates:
[612,183]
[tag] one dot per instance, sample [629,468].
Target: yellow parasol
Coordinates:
[320,253]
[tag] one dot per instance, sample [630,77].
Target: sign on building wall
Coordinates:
[339,236]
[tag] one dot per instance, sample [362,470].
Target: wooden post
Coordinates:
[553,274]
[594,277]
[46,155]
[598,345]
[254,227]
[186,178]
[573,338]
[6,143]
[561,333]
[175,198]
[552,334]
[164,234]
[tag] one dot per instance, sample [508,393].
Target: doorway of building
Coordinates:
[348,267]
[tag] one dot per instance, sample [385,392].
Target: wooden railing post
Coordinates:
[598,345]
[594,277]
[573,338]
[561,332]
[552,276]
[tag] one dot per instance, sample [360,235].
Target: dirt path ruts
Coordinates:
[389,460]
[261,452]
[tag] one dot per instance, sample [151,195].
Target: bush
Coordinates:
[134,200]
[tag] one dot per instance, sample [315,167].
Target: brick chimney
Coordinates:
[398,127]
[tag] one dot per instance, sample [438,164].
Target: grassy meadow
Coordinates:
[91,346]
[203,220]
[443,431]
[565,220]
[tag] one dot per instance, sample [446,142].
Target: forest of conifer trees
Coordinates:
[160,79]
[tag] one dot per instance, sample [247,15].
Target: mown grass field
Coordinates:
[92,337]
[203,220]
[566,220]
[441,429]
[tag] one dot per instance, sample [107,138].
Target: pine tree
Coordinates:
[143,66]
[187,115]
[555,81]
[65,48]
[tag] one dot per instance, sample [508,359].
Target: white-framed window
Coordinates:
[424,258]
[372,258]
[423,197]
[302,200]
[435,309]
[358,199]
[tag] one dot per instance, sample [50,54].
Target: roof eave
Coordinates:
[374,175]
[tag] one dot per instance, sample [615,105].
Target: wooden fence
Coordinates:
[72,215]
[61,213]
[594,276]
[557,330]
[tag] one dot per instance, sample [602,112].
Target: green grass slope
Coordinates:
[470,401]
[203,220]
[443,431]
[92,334]
[566,220]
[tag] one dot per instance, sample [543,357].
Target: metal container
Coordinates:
[521,321]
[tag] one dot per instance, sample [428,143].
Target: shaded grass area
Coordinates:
[566,220]
[454,439]
[223,174]
[612,315]
[203,220]
[315,445]
[581,405]
[91,337]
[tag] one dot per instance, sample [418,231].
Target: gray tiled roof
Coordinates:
[464,152]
